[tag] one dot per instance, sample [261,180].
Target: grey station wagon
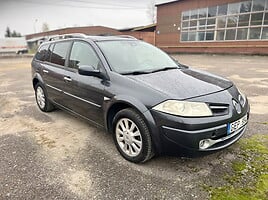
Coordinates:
[150,103]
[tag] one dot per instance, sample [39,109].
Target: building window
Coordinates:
[246,20]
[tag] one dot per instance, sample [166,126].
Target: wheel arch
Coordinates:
[114,108]
[118,103]
[37,79]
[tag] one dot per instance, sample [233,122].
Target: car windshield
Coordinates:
[135,57]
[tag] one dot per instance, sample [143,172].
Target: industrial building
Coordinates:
[213,26]
[145,33]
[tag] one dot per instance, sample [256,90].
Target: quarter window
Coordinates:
[42,53]
[83,54]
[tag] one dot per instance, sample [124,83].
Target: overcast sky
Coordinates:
[28,16]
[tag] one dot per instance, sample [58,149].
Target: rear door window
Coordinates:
[59,53]
[83,54]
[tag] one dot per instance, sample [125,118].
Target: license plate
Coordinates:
[234,126]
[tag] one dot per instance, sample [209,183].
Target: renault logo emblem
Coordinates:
[237,107]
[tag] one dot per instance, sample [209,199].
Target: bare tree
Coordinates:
[151,12]
[45,27]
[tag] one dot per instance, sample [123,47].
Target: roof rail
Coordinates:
[126,36]
[54,37]
[66,36]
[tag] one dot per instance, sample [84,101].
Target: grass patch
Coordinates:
[249,179]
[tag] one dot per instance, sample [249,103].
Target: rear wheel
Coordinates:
[132,136]
[41,99]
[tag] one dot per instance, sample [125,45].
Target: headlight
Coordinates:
[184,108]
[241,99]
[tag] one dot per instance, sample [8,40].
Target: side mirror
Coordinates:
[88,71]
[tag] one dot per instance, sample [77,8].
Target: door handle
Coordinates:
[45,71]
[67,79]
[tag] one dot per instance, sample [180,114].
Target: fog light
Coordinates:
[203,144]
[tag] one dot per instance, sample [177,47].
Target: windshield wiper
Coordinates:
[148,72]
[164,69]
[136,73]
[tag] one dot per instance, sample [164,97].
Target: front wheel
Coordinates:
[132,136]
[41,99]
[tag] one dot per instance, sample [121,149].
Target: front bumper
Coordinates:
[193,138]
[179,133]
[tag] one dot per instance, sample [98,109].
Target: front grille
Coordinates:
[219,109]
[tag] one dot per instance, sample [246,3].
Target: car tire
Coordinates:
[132,136]
[41,99]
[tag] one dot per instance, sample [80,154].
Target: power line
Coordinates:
[82,6]
[106,3]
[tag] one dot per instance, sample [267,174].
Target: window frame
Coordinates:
[216,29]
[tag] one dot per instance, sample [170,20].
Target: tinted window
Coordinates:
[83,54]
[254,33]
[222,10]
[194,14]
[230,34]
[42,53]
[220,35]
[264,33]
[221,22]
[258,5]
[209,35]
[242,34]
[185,15]
[192,36]
[59,53]
[202,12]
[201,36]
[184,36]
[233,8]
[232,21]
[243,20]
[245,7]
[256,19]
[212,11]
[266,19]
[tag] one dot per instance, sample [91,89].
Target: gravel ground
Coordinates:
[59,156]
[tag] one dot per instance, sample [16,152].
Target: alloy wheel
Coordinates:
[128,137]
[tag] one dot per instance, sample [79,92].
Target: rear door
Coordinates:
[54,70]
[84,93]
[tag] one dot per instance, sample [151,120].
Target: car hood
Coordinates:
[183,83]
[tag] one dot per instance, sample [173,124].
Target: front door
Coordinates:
[84,93]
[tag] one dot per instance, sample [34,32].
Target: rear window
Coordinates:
[59,53]
[42,54]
